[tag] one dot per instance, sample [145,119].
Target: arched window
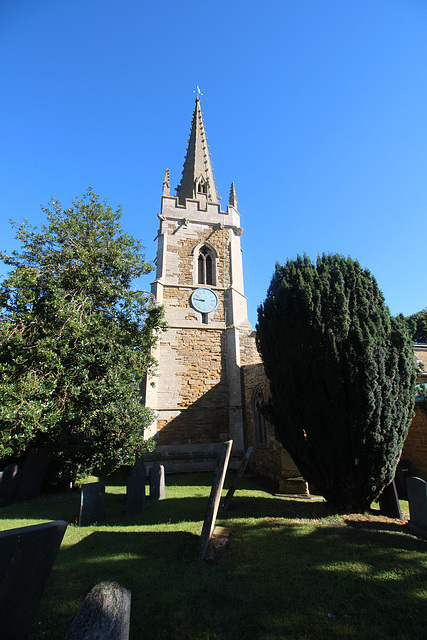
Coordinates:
[260,425]
[205,266]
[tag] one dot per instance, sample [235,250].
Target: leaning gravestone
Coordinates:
[33,474]
[26,558]
[157,482]
[9,481]
[214,498]
[389,501]
[135,488]
[417,497]
[92,503]
[104,614]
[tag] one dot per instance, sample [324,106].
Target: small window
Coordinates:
[205,266]
[202,187]
[260,424]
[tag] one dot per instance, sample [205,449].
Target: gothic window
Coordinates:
[205,266]
[260,425]
[202,187]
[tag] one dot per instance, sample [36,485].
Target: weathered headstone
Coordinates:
[403,472]
[135,488]
[389,501]
[157,482]
[240,471]
[104,614]
[92,503]
[9,481]
[26,558]
[417,497]
[214,498]
[33,474]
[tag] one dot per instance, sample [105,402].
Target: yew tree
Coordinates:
[342,376]
[75,341]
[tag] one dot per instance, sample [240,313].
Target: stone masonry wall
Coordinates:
[248,350]
[202,399]
[182,241]
[415,447]
[266,459]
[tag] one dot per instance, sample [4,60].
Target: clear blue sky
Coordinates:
[316,109]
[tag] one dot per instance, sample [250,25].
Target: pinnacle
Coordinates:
[233,198]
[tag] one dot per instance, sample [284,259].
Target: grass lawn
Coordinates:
[292,569]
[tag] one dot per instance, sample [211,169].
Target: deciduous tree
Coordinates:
[75,340]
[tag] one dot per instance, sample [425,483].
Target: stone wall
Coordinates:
[270,460]
[415,447]
[196,384]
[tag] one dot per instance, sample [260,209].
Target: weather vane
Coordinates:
[199,93]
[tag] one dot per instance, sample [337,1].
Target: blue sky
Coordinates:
[316,109]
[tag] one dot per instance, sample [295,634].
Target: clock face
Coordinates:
[204,300]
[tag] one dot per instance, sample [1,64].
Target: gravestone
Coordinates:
[104,614]
[403,472]
[135,488]
[33,474]
[417,497]
[214,498]
[389,501]
[26,558]
[157,482]
[9,481]
[239,473]
[92,503]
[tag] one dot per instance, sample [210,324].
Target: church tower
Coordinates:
[197,392]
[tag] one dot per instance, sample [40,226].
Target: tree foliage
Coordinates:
[417,326]
[342,376]
[75,340]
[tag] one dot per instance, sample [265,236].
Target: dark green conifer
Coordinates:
[342,376]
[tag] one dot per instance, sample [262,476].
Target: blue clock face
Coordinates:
[204,300]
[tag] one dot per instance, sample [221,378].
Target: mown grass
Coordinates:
[292,569]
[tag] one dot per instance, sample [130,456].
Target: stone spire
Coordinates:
[233,198]
[197,182]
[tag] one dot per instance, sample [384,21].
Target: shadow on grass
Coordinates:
[272,582]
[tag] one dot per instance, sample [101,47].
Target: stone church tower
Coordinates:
[197,392]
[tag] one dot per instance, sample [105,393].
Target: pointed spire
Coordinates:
[197,180]
[233,198]
[166,184]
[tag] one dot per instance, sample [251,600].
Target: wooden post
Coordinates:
[214,498]
[240,471]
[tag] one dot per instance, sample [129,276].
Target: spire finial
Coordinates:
[166,184]
[233,198]
[199,93]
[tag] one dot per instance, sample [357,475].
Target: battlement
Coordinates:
[199,211]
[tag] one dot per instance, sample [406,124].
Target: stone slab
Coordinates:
[389,501]
[27,555]
[92,503]
[135,488]
[104,614]
[33,474]
[157,482]
[417,498]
